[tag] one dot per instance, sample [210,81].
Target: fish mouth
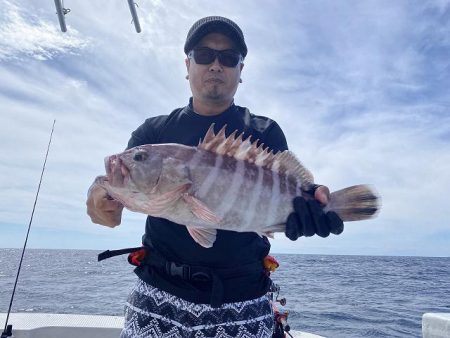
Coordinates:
[117,172]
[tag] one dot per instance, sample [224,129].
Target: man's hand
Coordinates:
[102,208]
[309,219]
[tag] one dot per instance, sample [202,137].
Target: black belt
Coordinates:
[189,272]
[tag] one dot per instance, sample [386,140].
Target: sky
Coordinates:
[360,89]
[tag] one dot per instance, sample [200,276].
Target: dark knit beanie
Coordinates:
[215,24]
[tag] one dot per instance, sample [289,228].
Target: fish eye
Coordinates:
[140,156]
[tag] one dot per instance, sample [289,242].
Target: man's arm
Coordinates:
[101,208]
[308,218]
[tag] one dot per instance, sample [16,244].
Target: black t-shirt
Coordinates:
[172,240]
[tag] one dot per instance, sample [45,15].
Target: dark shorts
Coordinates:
[151,312]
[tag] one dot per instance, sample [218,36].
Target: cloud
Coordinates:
[360,90]
[25,35]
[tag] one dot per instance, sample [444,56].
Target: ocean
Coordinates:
[333,296]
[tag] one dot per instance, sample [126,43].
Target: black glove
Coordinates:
[309,219]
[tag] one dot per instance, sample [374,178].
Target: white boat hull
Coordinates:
[50,325]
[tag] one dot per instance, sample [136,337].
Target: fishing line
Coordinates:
[7,330]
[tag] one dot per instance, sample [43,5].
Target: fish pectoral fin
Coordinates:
[201,210]
[158,206]
[203,236]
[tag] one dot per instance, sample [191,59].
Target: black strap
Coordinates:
[217,290]
[202,273]
[111,253]
[189,272]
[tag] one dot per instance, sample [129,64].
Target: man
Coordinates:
[185,290]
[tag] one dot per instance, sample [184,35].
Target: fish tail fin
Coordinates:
[355,203]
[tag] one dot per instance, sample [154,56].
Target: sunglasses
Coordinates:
[206,56]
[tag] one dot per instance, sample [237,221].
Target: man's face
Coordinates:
[213,83]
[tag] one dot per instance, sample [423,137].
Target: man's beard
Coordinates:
[214,94]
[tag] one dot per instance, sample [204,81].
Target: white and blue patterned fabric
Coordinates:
[151,312]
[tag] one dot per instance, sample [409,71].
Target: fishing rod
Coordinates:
[7,331]
[61,11]
[134,15]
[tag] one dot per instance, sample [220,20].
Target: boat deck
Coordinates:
[50,325]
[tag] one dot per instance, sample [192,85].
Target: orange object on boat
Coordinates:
[136,257]
[270,263]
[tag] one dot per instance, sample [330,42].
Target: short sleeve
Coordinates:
[148,132]
[274,138]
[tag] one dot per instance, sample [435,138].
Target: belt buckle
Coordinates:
[201,276]
[179,270]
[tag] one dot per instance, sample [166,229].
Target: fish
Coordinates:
[225,182]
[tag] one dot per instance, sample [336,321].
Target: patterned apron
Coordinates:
[151,312]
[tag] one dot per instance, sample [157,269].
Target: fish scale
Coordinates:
[226,182]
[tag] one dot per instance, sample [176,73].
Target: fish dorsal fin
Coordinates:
[290,165]
[244,149]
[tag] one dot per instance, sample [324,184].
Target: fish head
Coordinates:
[138,168]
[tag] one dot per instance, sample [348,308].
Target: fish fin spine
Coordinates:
[283,163]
